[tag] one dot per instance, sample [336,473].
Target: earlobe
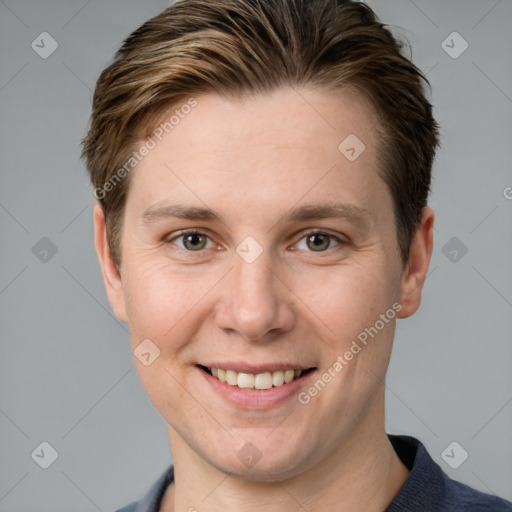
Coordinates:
[111,275]
[415,271]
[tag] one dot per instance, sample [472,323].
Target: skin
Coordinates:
[253,160]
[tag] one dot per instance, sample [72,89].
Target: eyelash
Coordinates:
[339,240]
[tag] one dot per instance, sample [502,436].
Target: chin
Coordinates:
[260,462]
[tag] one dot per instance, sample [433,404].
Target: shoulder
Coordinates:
[459,496]
[128,508]
[428,487]
[151,501]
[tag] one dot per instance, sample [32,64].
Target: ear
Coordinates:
[111,275]
[415,271]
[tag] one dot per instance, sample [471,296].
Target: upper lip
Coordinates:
[242,367]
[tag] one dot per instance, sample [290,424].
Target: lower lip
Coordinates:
[257,398]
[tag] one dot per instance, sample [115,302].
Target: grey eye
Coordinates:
[193,241]
[319,242]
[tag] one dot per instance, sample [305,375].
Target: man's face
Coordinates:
[258,288]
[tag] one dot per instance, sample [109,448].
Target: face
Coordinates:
[292,258]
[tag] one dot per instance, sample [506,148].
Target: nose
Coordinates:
[256,303]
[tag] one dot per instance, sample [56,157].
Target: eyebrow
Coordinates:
[350,212]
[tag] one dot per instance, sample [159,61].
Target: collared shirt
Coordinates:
[427,489]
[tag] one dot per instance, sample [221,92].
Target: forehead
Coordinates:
[268,147]
[306,117]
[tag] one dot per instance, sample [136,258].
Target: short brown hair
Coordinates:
[232,47]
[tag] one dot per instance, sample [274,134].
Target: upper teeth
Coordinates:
[263,380]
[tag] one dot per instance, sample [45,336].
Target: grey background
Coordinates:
[66,370]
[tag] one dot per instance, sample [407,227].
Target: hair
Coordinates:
[237,47]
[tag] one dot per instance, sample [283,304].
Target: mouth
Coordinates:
[263,380]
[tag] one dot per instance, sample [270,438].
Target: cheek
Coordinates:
[162,301]
[346,299]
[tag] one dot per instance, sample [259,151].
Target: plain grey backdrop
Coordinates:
[67,373]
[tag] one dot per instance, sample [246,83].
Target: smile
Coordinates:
[261,381]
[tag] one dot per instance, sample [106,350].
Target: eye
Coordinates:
[319,241]
[315,241]
[193,241]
